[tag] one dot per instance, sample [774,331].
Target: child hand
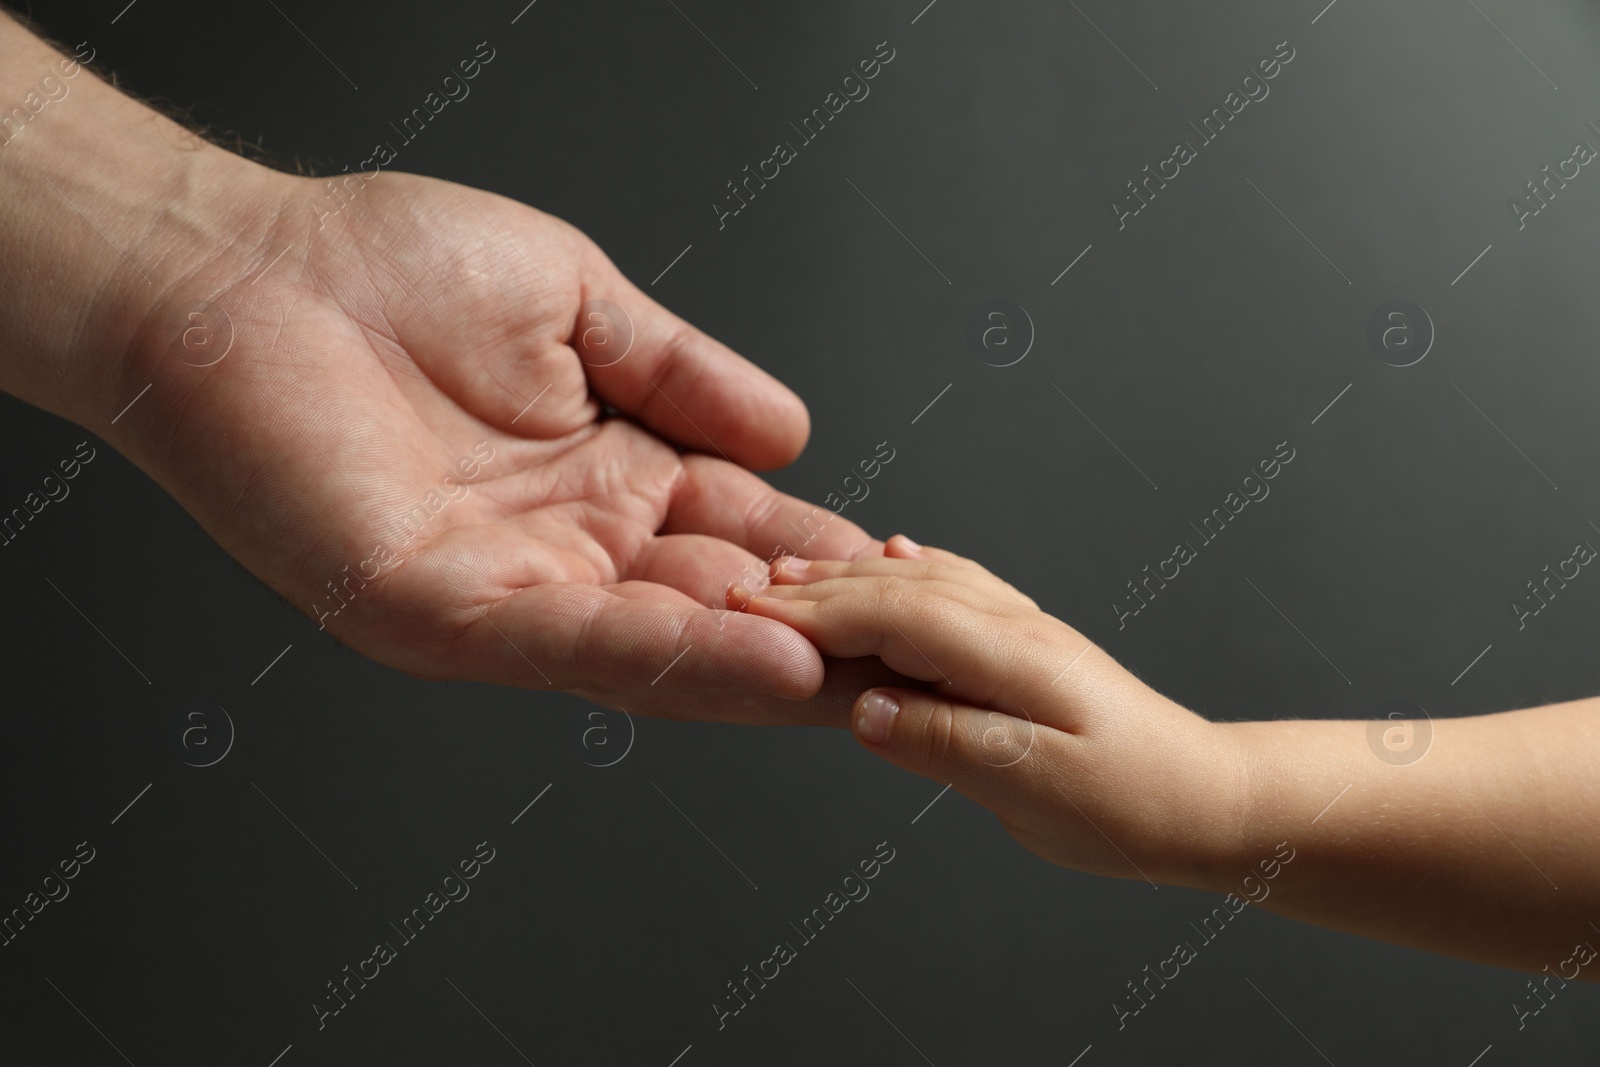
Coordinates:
[1461,852]
[1084,764]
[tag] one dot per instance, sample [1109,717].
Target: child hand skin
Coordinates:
[1486,848]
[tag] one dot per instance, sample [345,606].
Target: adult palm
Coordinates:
[319,375]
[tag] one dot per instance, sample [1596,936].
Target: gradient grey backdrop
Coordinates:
[1197,338]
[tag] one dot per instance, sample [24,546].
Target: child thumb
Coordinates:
[982,754]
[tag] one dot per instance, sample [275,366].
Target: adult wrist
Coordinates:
[106,209]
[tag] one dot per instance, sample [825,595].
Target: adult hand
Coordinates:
[386,404]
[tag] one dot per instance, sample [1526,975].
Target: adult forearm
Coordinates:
[1484,847]
[105,206]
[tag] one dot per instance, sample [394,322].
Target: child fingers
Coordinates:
[791,570]
[924,634]
[1000,761]
[902,547]
[1029,775]
[891,587]
[959,560]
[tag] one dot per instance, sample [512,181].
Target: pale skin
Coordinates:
[376,347]
[1485,848]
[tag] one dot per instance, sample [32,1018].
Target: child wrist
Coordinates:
[1218,826]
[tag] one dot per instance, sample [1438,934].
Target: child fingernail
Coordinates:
[907,543]
[792,566]
[740,594]
[875,718]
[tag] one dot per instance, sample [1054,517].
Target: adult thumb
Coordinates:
[990,757]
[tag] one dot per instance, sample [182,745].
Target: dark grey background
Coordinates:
[1196,339]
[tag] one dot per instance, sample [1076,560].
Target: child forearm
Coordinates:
[1486,847]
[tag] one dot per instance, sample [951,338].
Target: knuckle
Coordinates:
[926,612]
[1033,645]
[1018,595]
[761,511]
[1007,740]
[939,736]
[896,595]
